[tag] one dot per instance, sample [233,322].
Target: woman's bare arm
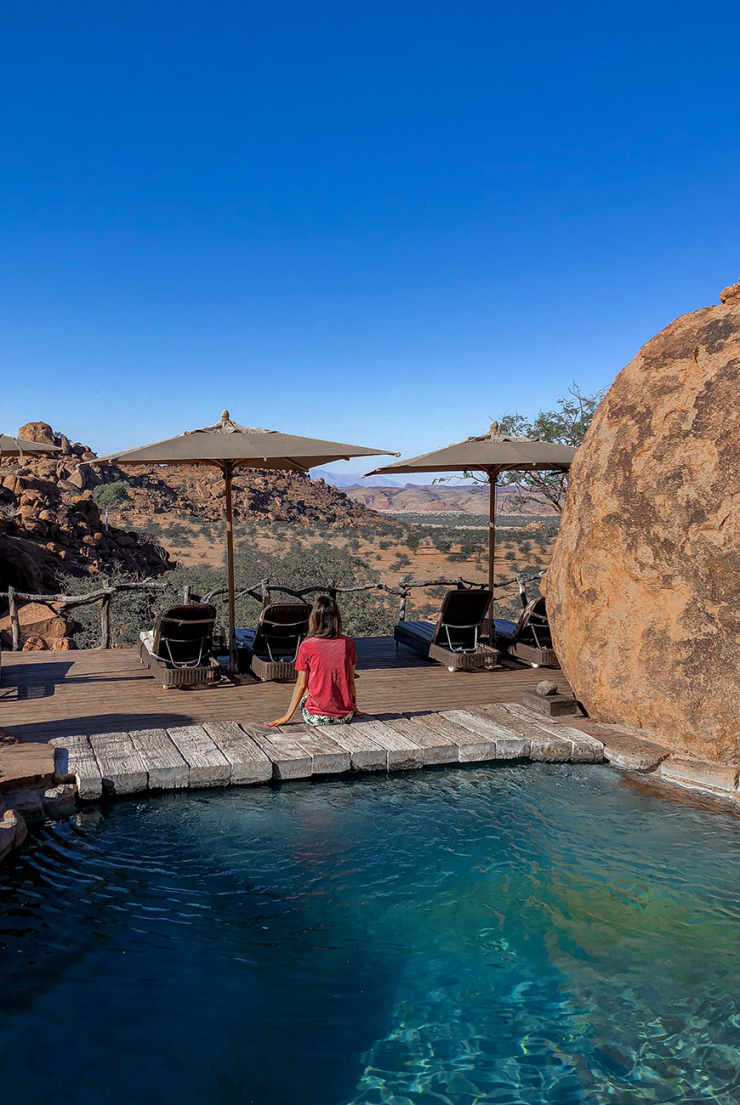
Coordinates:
[298,692]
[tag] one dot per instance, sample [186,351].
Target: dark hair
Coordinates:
[325,619]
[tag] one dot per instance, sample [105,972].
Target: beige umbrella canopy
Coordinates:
[491,453]
[16,447]
[228,446]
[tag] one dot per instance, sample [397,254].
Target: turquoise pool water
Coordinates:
[537,934]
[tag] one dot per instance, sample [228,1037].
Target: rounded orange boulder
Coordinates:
[643,592]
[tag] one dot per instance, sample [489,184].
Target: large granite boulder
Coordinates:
[37,431]
[644,588]
[36,620]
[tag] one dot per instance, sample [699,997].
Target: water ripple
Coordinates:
[515,935]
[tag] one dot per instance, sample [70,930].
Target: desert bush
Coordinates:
[365,614]
[178,535]
[109,495]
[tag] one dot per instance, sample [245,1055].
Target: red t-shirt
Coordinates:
[328,661]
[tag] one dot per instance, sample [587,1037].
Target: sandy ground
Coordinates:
[426,562]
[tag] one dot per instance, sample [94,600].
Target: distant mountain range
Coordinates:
[442,498]
[381,493]
[351,479]
[347,480]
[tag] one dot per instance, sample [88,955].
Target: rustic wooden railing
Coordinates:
[261,591]
[68,602]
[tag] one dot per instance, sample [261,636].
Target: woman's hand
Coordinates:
[300,686]
[280,721]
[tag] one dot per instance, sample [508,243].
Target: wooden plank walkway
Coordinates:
[129,763]
[51,694]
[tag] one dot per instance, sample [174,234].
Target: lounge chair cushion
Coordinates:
[421,629]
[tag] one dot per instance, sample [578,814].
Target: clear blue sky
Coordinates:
[382,222]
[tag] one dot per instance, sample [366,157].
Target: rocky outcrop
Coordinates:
[261,496]
[38,431]
[50,524]
[644,589]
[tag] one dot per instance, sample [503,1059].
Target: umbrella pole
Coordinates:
[230,567]
[492,481]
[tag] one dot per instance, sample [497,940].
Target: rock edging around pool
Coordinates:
[31,789]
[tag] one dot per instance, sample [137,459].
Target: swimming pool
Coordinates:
[538,933]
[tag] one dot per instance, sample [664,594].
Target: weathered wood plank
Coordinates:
[365,753]
[436,748]
[289,760]
[249,764]
[121,766]
[79,760]
[509,745]
[471,748]
[207,763]
[586,749]
[327,755]
[165,767]
[544,746]
[403,754]
[480,746]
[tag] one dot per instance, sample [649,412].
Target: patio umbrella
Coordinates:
[16,447]
[491,453]
[228,446]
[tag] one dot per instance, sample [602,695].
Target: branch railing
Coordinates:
[261,591]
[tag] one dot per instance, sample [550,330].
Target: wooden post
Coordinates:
[265,590]
[186,594]
[230,566]
[403,598]
[105,633]
[15,625]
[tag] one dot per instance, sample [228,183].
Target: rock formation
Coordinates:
[41,628]
[50,525]
[644,588]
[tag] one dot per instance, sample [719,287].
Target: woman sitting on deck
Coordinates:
[325,670]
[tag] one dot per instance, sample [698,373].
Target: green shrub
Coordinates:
[106,496]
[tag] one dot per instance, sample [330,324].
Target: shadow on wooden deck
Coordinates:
[95,691]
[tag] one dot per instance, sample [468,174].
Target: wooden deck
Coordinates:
[44,695]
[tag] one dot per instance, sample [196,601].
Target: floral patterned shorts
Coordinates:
[322,719]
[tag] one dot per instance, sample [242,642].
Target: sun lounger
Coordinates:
[178,650]
[273,645]
[529,638]
[454,639]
